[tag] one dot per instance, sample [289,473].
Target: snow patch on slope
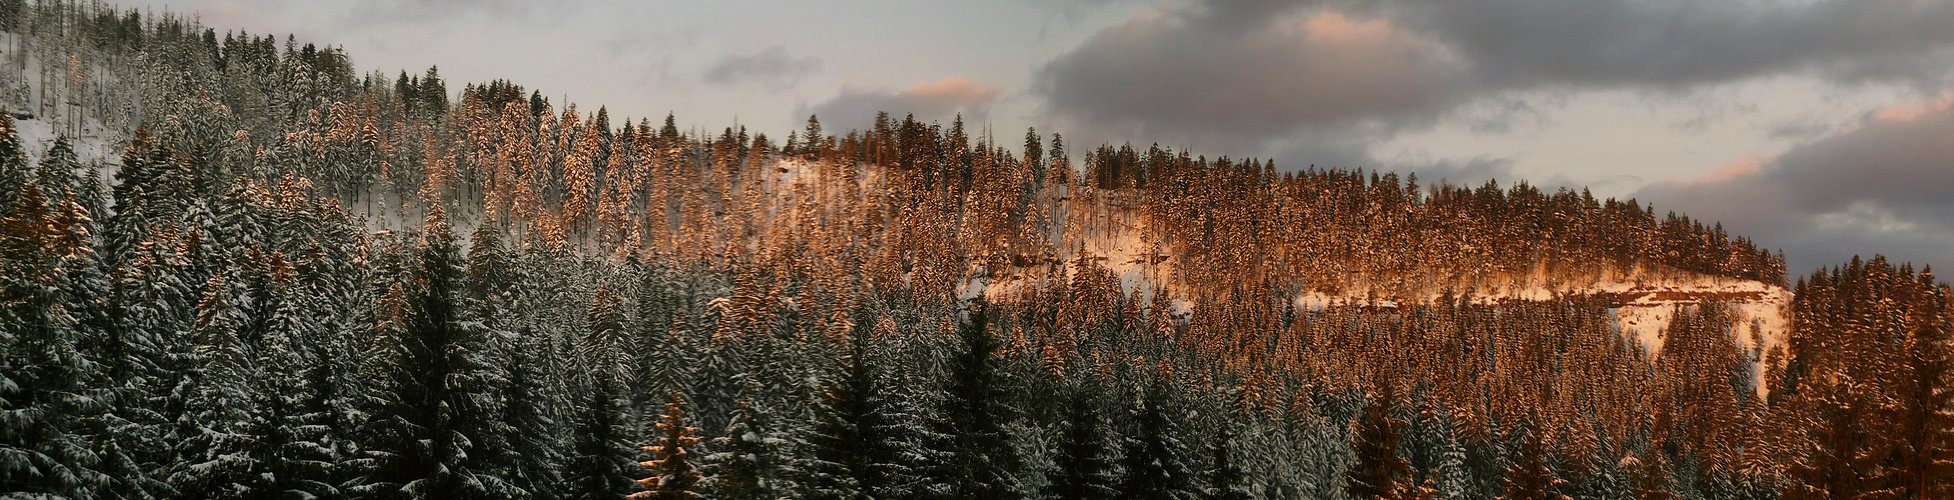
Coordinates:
[37,135]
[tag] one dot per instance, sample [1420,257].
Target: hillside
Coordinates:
[284,278]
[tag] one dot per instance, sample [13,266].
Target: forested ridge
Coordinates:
[290,280]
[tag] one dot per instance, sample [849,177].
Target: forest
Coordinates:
[235,268]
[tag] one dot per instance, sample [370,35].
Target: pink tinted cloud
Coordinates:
[940,100]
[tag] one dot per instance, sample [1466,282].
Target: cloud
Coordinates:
[1246,77]
[855,107]
[1673,43]
[1228,75]
[1880,187]
[772,67]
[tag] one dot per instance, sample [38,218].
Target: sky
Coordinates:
[1823,128]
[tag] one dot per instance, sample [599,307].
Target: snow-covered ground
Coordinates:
[1643,307]
[36,135]
[1643,302]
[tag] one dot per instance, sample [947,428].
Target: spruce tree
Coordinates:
[43,373]
[1153,455]
[1529,477]
[1227,480]
[1923,384]
[673,475]
[1650,477]
[209,431]
[286,432]
[1085,458]
[1839,458]
[751,460]
[856,446]
[428,405]
[600,456]
[57,170]
[529,458]
[15,172]
[1379,471]
[969,424]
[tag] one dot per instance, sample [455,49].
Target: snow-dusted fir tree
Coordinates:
[751,459]
[674,476]
[1227,478]
[1530,476]
[287,433]
[968,425]
[1153,459]
[430,398]
[1649,477]
[43,373]
[1085,456]
[215,398]
[600,456]
[716,376]
[15,172]
[858,443]
[529,458]
[1379,471]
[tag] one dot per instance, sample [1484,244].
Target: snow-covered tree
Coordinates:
[600,455]
[44,377]
[979,460]
[674,477]
[751,459]
[430,400]
[1085,456]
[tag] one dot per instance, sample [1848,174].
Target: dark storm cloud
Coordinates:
[941,100]
[1245,76]
[1229,74]
[772,67]
[1683,42]
[1883,187]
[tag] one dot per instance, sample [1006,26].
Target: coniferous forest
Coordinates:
[286,279]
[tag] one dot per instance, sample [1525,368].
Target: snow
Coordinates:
[92,148]
[1645,300]
[971,288]
[782,173]
[1180,312]
[1645,306]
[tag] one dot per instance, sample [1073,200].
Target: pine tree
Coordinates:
[1529,477]
[430,402]
[600,456]
[981,462]
[1152,456]
[856,445]
[674,477]
[1379,471]
[1084,457]
[43,373]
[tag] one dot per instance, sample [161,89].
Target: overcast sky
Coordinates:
[1820,127]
